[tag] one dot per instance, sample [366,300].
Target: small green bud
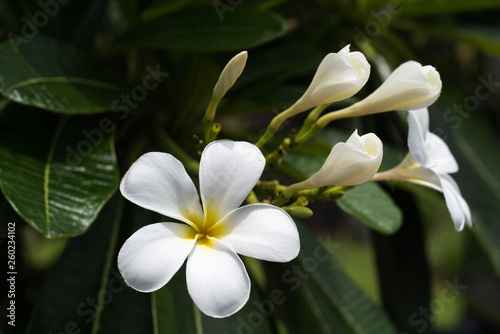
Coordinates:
[299,211]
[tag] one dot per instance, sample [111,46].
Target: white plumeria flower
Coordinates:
[348,164]
[429,163]
[339,76]
[209,237]
[410,86]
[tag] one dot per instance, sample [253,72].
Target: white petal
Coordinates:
[228,172]
[351,163]
[216,279]
[153,254]
[418,127]
[457,206]
[411,171]
[441,159]
[339,76]
[262,231]
[410,86]
[158,182]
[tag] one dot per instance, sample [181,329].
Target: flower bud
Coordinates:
[339,76]
[410,86]
[229,74]
[351,163]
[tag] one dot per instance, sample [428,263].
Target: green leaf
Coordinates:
[402,266]
[57,172]
[51,75]
[202,30]
[371,205]
[160,8]
[84,292]
[175,313]
[321,297]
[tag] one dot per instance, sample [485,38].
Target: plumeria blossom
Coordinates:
[339,76]
[351,163]
[410,86]
[429,163]
[211,233]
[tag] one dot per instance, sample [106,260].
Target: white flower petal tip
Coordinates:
[429,150]
[216,277]
[158,182]
[351,163]
[410,86]
[261,231]
[230,74]
[228,172]
[339,76]
[153,254]
[457,206]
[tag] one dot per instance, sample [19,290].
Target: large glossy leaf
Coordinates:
[84,292]
[321,297]
[370,204]
[51,75]
[175,313]
[202,30]
[56,171]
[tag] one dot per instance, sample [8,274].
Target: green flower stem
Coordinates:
[171,146]
[214,132]
[351,111]
[275,125]
[274,158]
[208,120]
[299,140]
[324,194]
[267,189]
[312,117]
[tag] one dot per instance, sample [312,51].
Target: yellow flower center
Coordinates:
[205,229]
